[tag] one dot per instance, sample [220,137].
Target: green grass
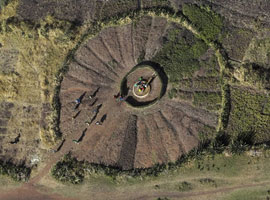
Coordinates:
[179,55]
[208,23]
[247,114]
[255,193]
[210,101]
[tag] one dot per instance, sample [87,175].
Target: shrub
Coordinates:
[69,169]
[208,23]
[184,186]
[16,172]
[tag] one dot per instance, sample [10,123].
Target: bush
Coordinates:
[208,23]
[69,170]
[16,172]
[184,186]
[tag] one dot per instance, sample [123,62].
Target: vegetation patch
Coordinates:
[246,116]
[17,173]
[184,186]
[210,101]
[208,181]
[69,169]
[253,75]
[180,53]
[207,22]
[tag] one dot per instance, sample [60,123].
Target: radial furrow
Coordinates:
[96,76]
[105,65]
[181,122]
[195,113]
[154,43]
[173,142]
[110,139]
[109,58]
[111,41]
[141,34]
[127,154]
[159,152]
[144,148]
[126,46]
[86,57]
[93,71]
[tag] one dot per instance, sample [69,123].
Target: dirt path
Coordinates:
[180,195]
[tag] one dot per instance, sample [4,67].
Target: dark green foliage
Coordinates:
[208,23]
[69,170]
[162,198]
[247,114]
[210,101]
[211,66]
[226,107]
[221,141]
[172,93]
[180,53]
[242,142]
[206,133]
[17,173]
[208,181]
[184,186]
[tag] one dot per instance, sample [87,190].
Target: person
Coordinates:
[75,141]
[78,101]
[116,95]
[98,123]
[121,98]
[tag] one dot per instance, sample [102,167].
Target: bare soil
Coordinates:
[128,138]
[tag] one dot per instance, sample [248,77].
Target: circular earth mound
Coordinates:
[108,130]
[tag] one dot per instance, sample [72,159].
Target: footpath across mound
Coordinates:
[144,85]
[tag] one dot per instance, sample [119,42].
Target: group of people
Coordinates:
[95,113]
[141,84]
[119,97]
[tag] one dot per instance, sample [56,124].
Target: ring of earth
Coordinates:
[141,91]
[128,138]
[150,79]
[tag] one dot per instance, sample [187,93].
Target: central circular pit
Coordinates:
[142,86]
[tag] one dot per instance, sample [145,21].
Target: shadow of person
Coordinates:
[103,118]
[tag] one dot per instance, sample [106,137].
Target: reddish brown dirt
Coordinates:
[128,138]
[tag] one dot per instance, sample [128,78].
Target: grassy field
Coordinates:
[247,114]
[221,176]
